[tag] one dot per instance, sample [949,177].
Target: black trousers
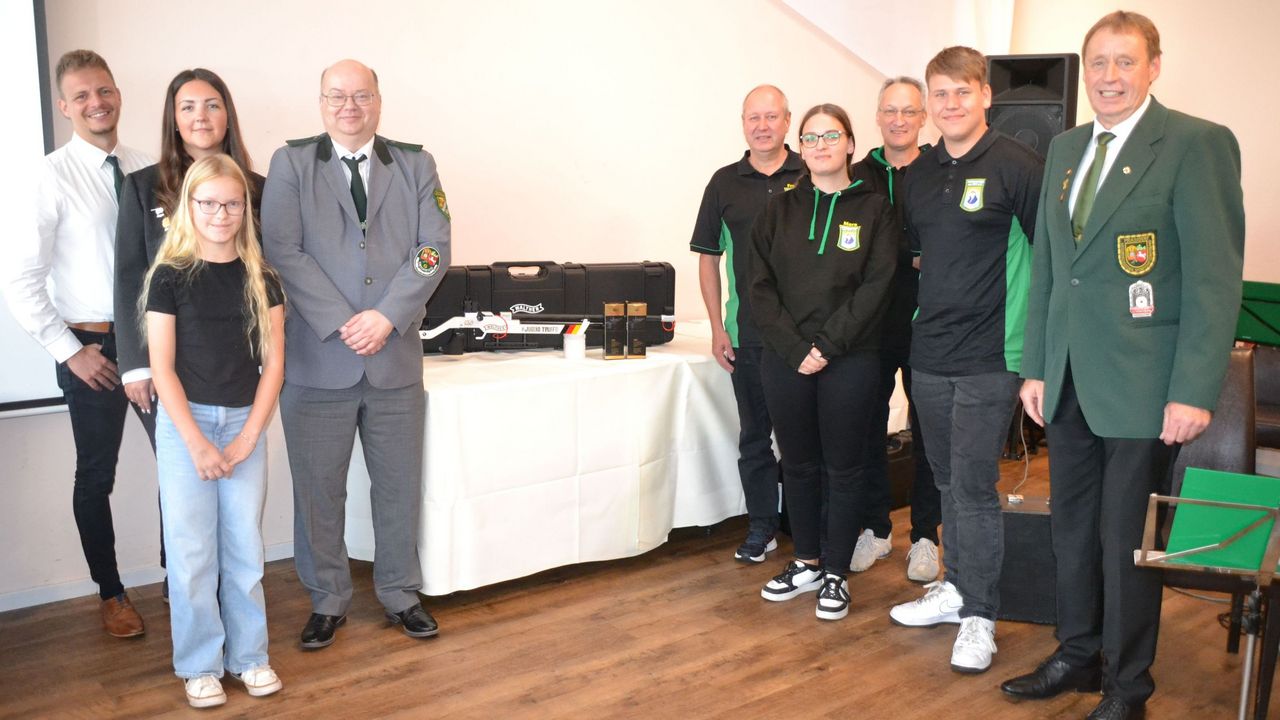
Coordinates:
[1107,606]
[821,423]
[97,425]
[757,465]
[926,502]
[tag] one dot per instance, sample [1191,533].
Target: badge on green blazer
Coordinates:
[1136,253]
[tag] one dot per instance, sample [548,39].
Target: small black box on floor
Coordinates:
[1028,579]
[902,468]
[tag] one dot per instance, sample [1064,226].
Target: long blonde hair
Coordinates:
[181,250]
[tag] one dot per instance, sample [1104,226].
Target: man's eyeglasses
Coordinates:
[810,140]
[234,208]
[906,113]
[337,99]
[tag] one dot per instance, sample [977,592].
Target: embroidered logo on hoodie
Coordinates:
[850,236]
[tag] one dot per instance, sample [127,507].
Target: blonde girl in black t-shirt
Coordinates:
[214,315]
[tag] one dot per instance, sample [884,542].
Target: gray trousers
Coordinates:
[319,429]
[966,420]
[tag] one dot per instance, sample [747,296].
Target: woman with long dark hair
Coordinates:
[199,120]
[823,257]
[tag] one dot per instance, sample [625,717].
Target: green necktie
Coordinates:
[114,162]
[1084,201]
[357,187]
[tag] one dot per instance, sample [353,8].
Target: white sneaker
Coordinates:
[204,691]
[974,646]
[922,561]
[868,550]
[259,681]
[796,579]
[833,598]
[941,604]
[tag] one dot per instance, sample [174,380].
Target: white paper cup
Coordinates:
[575,347]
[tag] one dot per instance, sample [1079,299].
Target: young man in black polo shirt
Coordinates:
[900,115]
[737,194]
[970,208]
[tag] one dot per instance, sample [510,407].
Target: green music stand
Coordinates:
[1225,524]
[1259,319]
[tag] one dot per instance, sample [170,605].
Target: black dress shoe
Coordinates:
[416,622]
[320,629]
[1054,676]
[1114,708]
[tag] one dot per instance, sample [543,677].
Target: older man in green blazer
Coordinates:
[1134,294]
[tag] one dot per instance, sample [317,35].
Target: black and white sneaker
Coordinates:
[833,597]
[796,579]
[754,548]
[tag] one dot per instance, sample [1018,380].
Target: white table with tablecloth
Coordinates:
[533,461]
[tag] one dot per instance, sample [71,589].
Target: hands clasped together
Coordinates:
[214,464]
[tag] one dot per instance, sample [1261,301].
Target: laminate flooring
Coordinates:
[680,632]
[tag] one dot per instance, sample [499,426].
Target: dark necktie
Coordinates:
[357,187]
[114,162]
[1084,201]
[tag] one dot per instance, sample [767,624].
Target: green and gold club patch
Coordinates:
[1136,253]
[442,203]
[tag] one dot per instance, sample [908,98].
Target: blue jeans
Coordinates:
[966,419]
[213,540]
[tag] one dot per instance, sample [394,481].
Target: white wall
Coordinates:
[567,130]
[1213,67]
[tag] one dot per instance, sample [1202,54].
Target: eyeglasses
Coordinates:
[831,137]
[234,208]
[906,113]
[338,99]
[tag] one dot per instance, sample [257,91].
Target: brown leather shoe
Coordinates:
[120,619]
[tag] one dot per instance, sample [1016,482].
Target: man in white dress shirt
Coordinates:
[59,288]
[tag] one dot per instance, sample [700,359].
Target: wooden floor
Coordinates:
[680,632]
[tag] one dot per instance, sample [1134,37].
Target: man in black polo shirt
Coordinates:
[736,194]
[970,207]
[900,115]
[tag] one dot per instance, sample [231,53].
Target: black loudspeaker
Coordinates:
[1028,578]
[1033,97]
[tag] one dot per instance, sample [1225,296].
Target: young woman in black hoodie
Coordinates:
[823,257]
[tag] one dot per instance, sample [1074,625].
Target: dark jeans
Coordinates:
[1106,604]
[966,420]
[97,425]
[821,422]
[926,503]
[757,466]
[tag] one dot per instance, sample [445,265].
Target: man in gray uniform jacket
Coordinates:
[358,228]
